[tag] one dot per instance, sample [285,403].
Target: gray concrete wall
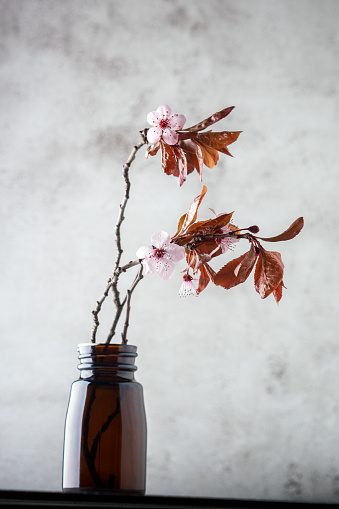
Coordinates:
[241,395]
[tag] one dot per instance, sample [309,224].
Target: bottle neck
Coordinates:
[107,362]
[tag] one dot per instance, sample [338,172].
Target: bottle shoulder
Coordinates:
[93,381]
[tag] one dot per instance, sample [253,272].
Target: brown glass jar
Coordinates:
[105,428]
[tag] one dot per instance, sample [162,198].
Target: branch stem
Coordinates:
[121,217]
[137,279]
[112,283]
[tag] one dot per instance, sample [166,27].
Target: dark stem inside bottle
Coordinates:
[105,430]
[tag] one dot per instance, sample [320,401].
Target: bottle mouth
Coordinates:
[111,357]
[107,345]
[106,349]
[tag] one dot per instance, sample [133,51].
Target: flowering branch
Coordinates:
[204,240]
[182,152]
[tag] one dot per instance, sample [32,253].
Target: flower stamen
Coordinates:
[159,253]
[160,257]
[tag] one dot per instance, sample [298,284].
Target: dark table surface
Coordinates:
[58,499]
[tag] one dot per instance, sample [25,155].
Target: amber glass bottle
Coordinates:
[105,428]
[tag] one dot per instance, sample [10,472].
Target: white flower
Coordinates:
[161,256]
[164,125]
[187,287]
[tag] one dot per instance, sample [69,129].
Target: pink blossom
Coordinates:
[164,125]
[161,256]
[188,287]
[228,242]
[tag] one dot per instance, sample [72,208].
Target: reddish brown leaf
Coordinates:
[191,165]
[193,151]
[203,229]
[204,251]
[169,160]
[236,271]
[268,273]
[197,261]
[210,226]
[181,222]
[210,272]
[211,120]
[182,166]
[218,141]
[291,232]
[277,293]
[187,238]
[190,258]
[209,154]
[188,146]
[191,215]
[152,150]
[176,162]
[186,135]
[207,274]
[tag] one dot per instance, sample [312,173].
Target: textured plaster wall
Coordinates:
[242,396]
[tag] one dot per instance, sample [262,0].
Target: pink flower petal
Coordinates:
[161,255]
[176,253]
[149,266]
[160,239]
[228,242]
[153,118]
[177,121]
[165,268]
[164,111]
[154,134]
[188,288]
[170,137]
[144,252]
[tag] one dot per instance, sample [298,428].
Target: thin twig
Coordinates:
[126,267]
[100,302]
[115,321]
[121,217]
[119,310]
[97,310]
[113,280]
[138,278]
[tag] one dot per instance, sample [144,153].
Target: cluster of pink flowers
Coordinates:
[185,150]
[182,152]
[160,258]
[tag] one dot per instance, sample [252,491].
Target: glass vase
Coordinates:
[105,428]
